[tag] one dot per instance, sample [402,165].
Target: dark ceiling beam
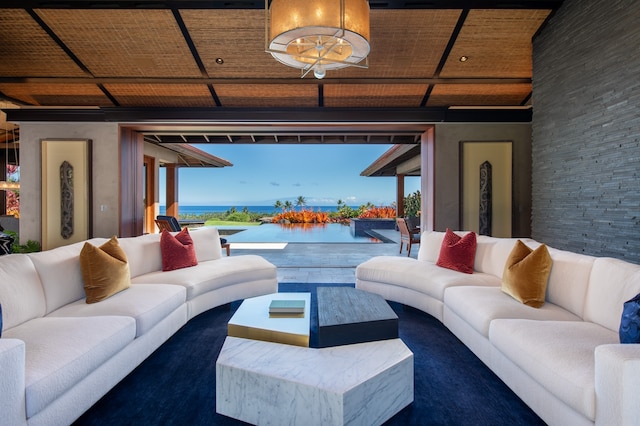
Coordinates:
[452,41]
[192,46]
[108,94]
[320,95]
[12,100]
[257,4]
[272,115]
[325,81]
[58,41]
[445,55]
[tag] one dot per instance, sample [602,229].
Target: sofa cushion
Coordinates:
[430,244]
[612,282]
[146,304]
[105,270]
[60,273]
[21,293]
[478,306]
[206,239]
[143,253]
[569,279]
[458,253]
[145,256]
[177,250]
[422,276]
[492,252]
[557,354]
[214,274]
[63,351]
[526,273]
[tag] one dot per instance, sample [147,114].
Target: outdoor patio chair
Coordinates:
[164,224]
[409,236]
[171,224]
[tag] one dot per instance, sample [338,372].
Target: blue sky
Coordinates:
[263,174]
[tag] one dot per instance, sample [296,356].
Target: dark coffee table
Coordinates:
[348,315]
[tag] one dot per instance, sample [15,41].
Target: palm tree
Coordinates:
[288,205]
[301,201]
[278,205]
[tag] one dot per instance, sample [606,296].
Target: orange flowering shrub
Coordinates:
[302,216]
[379,213]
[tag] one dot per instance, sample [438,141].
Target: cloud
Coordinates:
[274,183]
[297,184]
[243,182]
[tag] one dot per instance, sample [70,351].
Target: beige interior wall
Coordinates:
[105,148]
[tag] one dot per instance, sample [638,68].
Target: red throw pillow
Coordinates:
[177,251]
[458,253]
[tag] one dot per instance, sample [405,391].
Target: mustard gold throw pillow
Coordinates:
[105,270]
[526,273]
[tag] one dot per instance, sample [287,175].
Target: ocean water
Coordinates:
[299,233]
[198,210]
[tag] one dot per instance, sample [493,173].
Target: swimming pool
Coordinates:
[298,233]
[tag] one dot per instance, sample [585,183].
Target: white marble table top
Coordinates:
[267,383]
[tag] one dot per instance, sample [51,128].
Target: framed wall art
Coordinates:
[486,184]
[66,192]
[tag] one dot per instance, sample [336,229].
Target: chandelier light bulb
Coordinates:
[319,72]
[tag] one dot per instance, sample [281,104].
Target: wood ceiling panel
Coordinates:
[497,44]
[236,36]
[28,51]
[141,57]
[56,94]
[267,95]
[478,94]
[161,95]
[124,43]
[405,43]
[374,95]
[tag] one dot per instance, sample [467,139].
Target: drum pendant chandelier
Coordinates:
[318,35]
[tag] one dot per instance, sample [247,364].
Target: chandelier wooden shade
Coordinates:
[318,35]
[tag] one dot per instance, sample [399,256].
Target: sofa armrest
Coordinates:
[617,383]
[12,381]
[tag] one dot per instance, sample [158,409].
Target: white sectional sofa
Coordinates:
[564,359]
[59,355]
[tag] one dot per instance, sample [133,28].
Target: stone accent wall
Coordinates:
[586,129]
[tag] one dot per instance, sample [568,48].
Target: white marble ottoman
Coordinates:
[270,383]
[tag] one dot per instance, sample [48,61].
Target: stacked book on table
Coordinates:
[286,307]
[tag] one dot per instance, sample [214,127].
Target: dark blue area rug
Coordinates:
[176,384]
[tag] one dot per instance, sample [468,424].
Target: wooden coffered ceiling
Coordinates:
[151,60]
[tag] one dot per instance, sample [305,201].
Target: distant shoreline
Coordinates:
[199,210]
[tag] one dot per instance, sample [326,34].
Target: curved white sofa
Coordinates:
[59,355]
[564,359]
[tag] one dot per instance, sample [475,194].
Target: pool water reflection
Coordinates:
[299,233]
